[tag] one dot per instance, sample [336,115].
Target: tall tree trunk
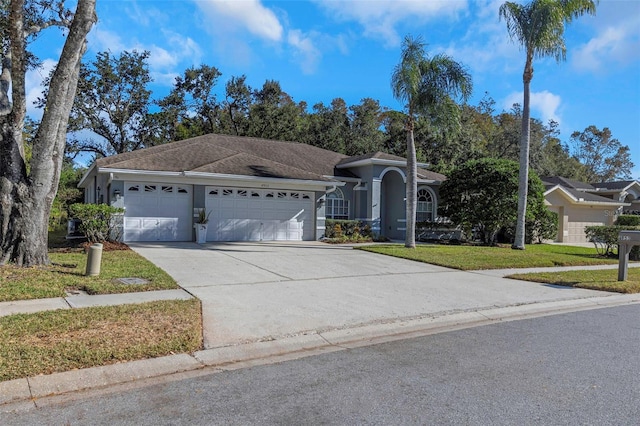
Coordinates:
[412,189]
[26,199]
[523,175]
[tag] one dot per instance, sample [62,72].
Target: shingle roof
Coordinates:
[235,155]
[587,196]
[621,184]
[224,154]
[551,181]
[429,175]
[422,173]
[377,155]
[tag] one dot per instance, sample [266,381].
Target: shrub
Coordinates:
[628,220]
[98,223]
[348,230]
[605,239]
[483,195]
[544,226]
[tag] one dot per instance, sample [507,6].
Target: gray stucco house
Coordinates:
[255,189]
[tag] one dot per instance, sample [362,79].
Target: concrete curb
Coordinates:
[289,347]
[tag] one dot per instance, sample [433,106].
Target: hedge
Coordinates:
[347,229]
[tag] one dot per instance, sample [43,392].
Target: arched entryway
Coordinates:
[393,208]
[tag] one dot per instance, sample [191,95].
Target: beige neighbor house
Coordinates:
[580,204]
[254,190]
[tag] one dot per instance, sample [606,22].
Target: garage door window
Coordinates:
[337,206]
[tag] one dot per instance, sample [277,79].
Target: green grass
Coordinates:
[67,273]
[479,257]
[62,340]
[605,280]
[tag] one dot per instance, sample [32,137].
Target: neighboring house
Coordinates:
[580,204]
[255,189]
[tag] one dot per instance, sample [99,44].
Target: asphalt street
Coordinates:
[571,369]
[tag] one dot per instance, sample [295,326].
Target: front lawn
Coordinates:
[469,258]
[605,280]
[62,340]
[67,273]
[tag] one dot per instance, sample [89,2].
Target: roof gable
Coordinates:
[581,197]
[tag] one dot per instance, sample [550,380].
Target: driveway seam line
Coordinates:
[257,266]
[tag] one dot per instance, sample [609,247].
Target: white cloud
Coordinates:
[379,18]
[545,103]
[250,15]
[616,40]
[33,86]
[102,40]
[165,62]
[305,49]
[619,44]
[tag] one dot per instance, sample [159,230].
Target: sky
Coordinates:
[324,49]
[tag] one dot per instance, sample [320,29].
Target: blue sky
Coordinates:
[323,49]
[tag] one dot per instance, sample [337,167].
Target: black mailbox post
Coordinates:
[626,241]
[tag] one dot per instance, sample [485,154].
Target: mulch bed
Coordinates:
[80,245]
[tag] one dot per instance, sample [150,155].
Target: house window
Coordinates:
[424,210]
[337,207]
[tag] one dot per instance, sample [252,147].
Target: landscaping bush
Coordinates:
[483,195]
[347,230]
[544,226]
[628,220]
[98,222]
[605,239]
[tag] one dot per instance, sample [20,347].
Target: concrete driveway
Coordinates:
[253,292]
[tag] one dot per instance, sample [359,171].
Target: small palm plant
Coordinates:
[203,216]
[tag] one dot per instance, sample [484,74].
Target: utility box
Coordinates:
[626,241]
[94,260]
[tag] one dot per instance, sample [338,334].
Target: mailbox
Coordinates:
[626,241]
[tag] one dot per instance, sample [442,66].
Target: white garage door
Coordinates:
[579,219]
[246,214]
[157,212]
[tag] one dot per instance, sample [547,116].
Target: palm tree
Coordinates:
[425,86]
[539,28]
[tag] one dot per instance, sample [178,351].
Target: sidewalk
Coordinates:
[83,300]
[24,392]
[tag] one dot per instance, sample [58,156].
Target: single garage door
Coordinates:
[157,212]
[247,214]
[579,219]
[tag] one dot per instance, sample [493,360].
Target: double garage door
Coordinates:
[164,212]
[249,214]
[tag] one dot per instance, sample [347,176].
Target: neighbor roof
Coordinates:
[614,186]
[551,181]
[581,197]
[233,155]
